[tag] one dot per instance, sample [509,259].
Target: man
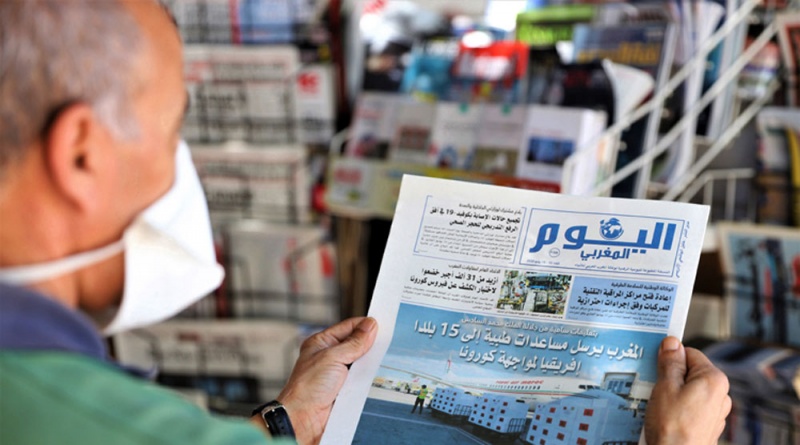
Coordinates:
[102,229]
[91,102]
[420,399]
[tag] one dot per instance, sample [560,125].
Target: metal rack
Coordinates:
[732,28]
[731,179]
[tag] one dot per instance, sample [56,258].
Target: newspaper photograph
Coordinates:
[513,315]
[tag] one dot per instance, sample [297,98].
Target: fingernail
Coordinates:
[670,344]
[367,325]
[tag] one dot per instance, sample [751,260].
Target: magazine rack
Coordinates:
[731,180]
[732,29]
[724,127]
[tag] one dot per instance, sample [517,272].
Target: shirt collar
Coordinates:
[32,321]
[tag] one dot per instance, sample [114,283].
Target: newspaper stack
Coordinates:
[241,181]
[241,94]
[240,21]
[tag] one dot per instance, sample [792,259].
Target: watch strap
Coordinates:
[276,419]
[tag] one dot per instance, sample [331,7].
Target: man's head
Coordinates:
[91,103]
[50,61]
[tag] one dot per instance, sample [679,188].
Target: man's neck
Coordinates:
[33,229]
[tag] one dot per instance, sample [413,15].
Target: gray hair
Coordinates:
[57,52]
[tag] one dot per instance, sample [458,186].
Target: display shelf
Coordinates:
[689,120]
[732,30]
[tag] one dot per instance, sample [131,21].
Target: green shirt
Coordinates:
[65,398]
[57,386]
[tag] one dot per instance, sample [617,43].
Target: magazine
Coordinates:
[766,407]
[413,128]
[316,96]
[789,38]
[682,153]
[762,268]
[542,29]
[646,46]
[499,136]
[428,74]
[455,134]
[729,50]
[539,315]
[241,21]
[553,134]
[491,73]
[373,125]
[778,175]
[588,85]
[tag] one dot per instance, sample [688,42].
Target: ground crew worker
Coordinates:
[420,399]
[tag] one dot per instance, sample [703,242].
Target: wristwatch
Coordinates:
[275,418]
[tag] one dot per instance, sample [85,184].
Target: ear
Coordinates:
[74,155]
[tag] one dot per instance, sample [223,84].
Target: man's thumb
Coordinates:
[359,341]
[672,363]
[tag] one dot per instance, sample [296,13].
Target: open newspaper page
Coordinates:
[518,315]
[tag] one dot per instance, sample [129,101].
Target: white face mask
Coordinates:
[169,255]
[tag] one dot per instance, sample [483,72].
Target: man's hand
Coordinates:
[320,372]
[690,400]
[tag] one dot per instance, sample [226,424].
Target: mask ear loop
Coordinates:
[36,273]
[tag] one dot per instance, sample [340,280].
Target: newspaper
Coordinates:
[280,271]
[241,21]
[227,365]
[241,93]
[494,298]
[243,181]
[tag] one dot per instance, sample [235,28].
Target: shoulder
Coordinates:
[76,399]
